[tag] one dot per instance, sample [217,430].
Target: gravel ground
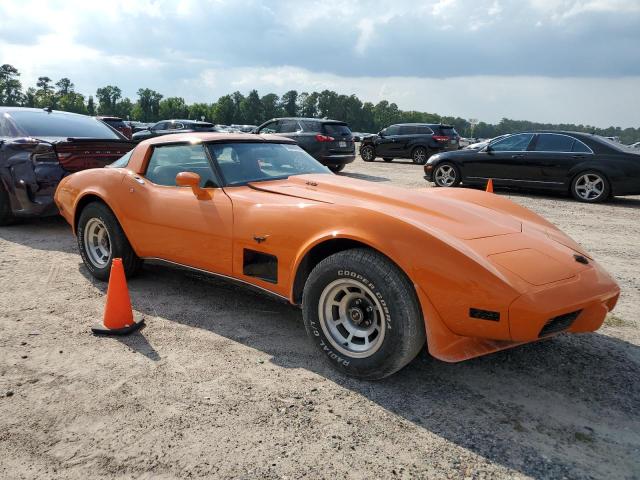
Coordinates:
[223,382]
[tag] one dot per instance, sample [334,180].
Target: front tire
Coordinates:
[590,187]
[101,239]
[446,174]
[368,153]
[362,313]
[6,215]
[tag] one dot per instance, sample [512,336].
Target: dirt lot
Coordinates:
[223,383]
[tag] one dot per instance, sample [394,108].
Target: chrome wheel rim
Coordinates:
[589,186]
[367,153]
[445,175]
[97,242]
[352,318]
[419,156]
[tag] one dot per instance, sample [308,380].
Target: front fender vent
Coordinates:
[484,314]
[559,323]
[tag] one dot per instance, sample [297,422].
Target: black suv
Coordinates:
[166,127]
[328,141]
[417,141]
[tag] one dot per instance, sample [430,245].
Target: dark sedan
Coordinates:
[38,147]
[166,127]
[589,167]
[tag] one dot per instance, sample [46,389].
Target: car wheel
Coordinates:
[336,168]
[6,215]
[591,187]
[419,155]
[362,313]
[446,175]
[368,153]
[388,159]
[101,239]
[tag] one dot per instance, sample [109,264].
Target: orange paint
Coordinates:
[461,248]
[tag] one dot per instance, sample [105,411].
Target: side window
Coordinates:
[160,126]
[310,126]
[288,126]
[392,130]
[271,127]
[549,142]
[423,130]
[177,126]
[580,147]
[406,130]
[513,143]
[168,161]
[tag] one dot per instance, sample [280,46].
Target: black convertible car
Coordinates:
[40,146]
[589,167]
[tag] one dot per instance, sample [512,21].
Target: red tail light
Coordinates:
[440,138]
[324,138]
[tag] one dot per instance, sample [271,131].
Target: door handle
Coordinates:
[517,156]
[578,156]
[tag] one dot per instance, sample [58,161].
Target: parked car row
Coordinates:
[590,167]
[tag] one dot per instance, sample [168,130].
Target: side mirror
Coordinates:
[381,133]
[190,179]
[488,149]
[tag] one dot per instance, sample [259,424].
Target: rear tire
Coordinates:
[336,168]
[368,153]
[6,215]
[590,186]
[101,239]
[419,155]
[361,311]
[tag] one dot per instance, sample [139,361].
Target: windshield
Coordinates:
[241,163]
[43,124]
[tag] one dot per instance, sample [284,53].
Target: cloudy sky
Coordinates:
[546,60]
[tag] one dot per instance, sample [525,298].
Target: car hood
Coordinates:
[428,209]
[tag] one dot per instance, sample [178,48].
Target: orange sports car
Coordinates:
[378,270]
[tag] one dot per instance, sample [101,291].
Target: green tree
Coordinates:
[251,111]
[308,104]
[45,96]
[238,99]
[29,99]
[65,86]
[124,108]
[289,103]
[173,107]
[224,110]
[10,86]
[147,108]
[270,107]
[91,106]
[200,111]
[108,99]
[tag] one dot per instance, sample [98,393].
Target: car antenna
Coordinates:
[47,109]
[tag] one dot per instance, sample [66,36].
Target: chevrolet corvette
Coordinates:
[378,271]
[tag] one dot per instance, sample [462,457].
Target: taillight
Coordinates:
[440,138]
[324,138]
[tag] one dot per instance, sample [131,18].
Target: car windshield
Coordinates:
[43,124]
[241,163]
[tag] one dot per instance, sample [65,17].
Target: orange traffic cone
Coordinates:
[490,186]
[118,315]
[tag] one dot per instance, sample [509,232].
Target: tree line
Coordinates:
[253,109]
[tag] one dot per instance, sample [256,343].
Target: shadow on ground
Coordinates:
[544,409]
